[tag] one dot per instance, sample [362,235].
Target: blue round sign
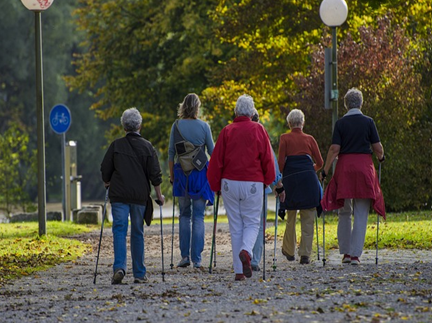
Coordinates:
[60,118]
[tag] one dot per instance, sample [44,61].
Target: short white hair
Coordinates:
[295,118]
[131,120]
[245,106]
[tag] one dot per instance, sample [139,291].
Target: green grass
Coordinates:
[23,252]
[408,230]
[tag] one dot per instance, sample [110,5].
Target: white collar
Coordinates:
[352,112]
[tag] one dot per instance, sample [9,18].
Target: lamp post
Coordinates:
[37,6]
[333,13]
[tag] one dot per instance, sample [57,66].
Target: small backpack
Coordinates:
[190,156]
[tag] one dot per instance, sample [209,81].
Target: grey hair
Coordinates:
[131,120]
[245,106]
[295,118]
[189,107]
[353,99]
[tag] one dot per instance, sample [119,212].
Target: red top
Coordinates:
[355,177]
[298,143]
[242,153]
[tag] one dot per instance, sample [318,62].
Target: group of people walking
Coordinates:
[243,169]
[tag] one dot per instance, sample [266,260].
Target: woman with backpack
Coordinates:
[189,139]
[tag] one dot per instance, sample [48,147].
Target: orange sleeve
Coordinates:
[316,155]
[281,154]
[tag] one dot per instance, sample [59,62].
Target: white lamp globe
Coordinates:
[333,13]
[37,5]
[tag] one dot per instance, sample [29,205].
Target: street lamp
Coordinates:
[333,13]
[37,6]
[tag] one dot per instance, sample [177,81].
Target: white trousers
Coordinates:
[351,238]
[243,202]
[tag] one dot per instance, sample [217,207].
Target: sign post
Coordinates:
[60,121]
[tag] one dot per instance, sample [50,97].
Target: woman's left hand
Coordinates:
[282,197]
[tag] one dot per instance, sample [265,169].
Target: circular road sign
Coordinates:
[60,118]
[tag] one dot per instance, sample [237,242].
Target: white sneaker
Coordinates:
[355,261]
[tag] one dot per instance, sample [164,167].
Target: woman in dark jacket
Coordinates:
[300,158]
[128,168]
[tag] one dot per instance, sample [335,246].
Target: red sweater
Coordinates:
[298,143]
[242,153]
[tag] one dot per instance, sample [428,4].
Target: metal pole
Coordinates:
[40,126]
[335,92]
[63,153]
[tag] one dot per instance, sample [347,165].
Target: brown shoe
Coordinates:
[246,261]
[239,277]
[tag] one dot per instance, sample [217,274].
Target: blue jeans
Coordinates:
[257,250]
[191,211]
[120,213]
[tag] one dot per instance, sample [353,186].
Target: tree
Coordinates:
[15,158]
[382,65]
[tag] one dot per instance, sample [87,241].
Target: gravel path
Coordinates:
[399,289]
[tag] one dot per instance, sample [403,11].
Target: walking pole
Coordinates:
[323,216]
[172,234]
[264,214]
[158,202]
[275,239]
[317,241]
[213,247]
[378,221]
[100,238]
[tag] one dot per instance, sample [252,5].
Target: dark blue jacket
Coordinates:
[302,187]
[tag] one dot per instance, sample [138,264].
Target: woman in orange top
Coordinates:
[300,159]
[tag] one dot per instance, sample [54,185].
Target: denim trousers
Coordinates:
[191,226]
[120,213]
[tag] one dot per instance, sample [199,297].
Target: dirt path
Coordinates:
[399,289]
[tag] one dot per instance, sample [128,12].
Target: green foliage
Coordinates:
[23,252]
[147,54]
[393,96]
[17,169]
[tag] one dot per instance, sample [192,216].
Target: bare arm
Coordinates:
[159,195]
[378,150]
[333,152]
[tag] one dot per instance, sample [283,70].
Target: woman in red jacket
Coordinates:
[241,165]
[354,185]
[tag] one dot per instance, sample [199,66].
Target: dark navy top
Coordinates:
[355,133]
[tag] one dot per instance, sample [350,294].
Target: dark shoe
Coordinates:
[239,277]
[184,262]
[256,268]
[288,257]
[141,280]
[304,260]
[281,214]
[246,261]
[117,277]
[346,259]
